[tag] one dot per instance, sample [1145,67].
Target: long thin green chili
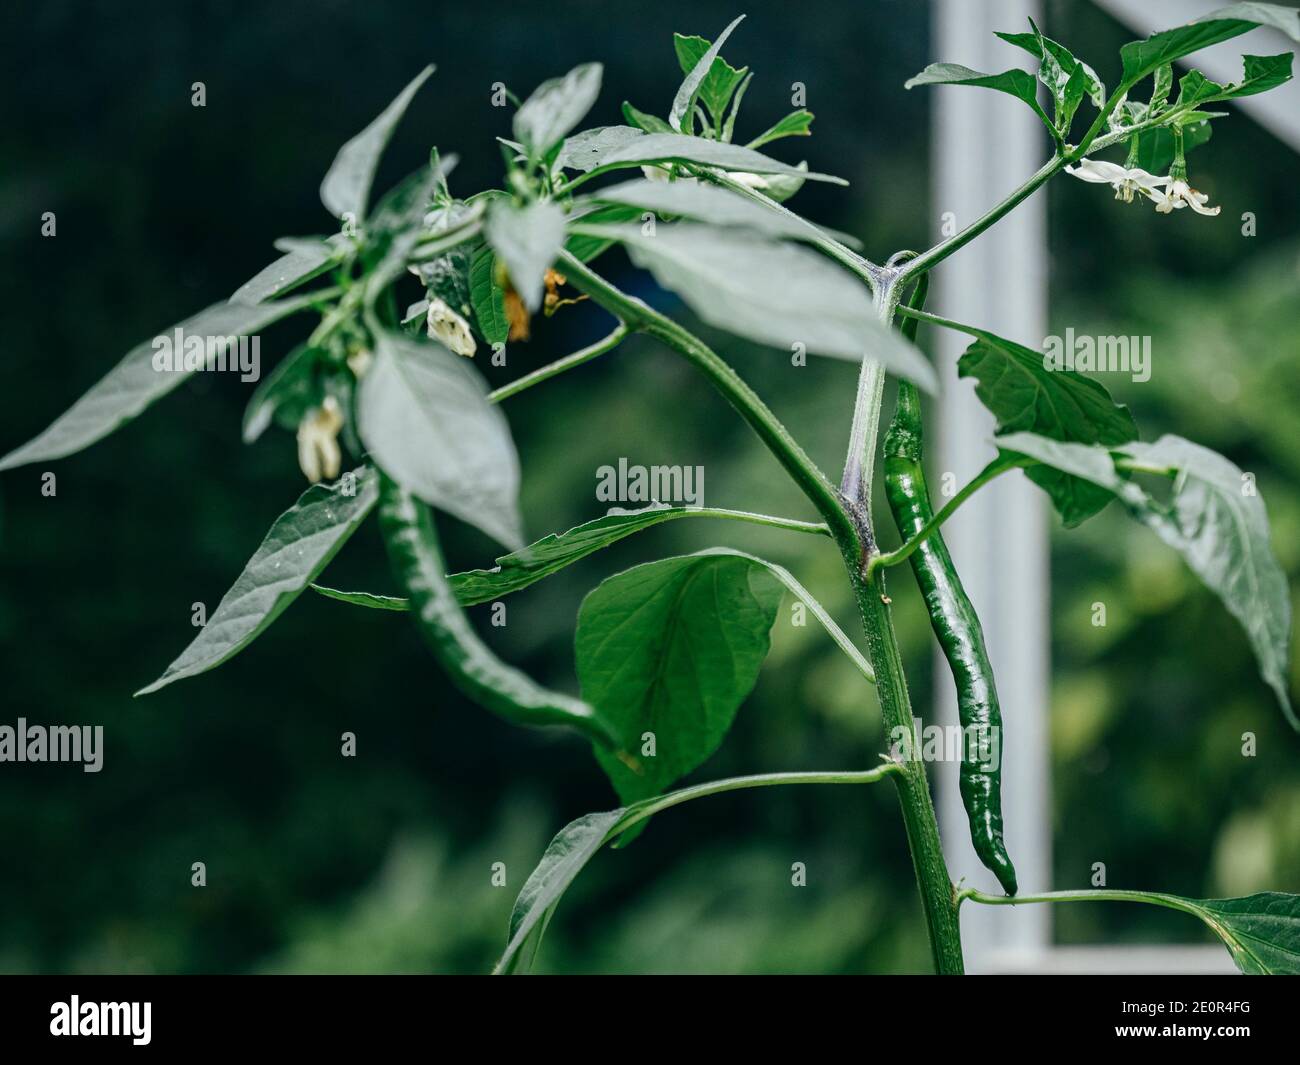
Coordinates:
[955,623]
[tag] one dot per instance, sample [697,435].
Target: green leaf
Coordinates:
[1018,83]
[346,188]
[516,571]
[587,150]
[566,855]
[1215,520]
[369,600]
[721,79]
[673,647]
[298,547]
[556,106]
[1059,66]
[519,569]
[673,148]
[1260,74]
[795,124]
[1218,522]
[1161,86]
[527,239]
[775,293]
[1155,152]
[694,81]
[302,261]
[424,417]
[643,121]
[1016,385]
[708,203]
[577,843]
[396,227]
[1141,58]
[729,126]
[1261,932]
[133,383]
[486,297]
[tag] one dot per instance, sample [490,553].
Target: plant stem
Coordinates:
[559,366]
[648,807]
[816,528]
[919,819]
[852,532]
[1154,898]
[994,469]
[928,260]
[641,317]
[933,882]
[438,243]
[860,462]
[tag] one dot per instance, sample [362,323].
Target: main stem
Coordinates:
[938,897]
[849,524]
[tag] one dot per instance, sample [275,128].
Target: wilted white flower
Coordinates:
[778,187]
[449,328]
[1124,180]
[1179,194]
[752,181]
[359,362]
[318,441]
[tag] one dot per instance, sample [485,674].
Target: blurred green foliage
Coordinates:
[383,862]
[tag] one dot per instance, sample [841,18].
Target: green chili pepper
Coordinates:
[953,618]
[414,551]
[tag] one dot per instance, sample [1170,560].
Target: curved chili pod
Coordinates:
[955,623]
[416,556]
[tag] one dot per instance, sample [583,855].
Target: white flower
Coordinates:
[450,329]
[318,441]
[741,177]
[752,181]
[1123,180]
[1179,194]
[659,173]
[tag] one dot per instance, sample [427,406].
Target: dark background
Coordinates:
[382,862]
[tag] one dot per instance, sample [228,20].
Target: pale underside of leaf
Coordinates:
[133,384]
[298,546]
[708,203]
[527,239]
[306,260]
[555,107]
[423,414]
[678,148]
[1220,530]
[684,100]
[772,292]
[346,187]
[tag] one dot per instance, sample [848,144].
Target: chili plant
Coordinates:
[667,651]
